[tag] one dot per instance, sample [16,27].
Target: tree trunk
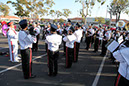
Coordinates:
[86,15]
[110,19]
[116,17]
[119,16]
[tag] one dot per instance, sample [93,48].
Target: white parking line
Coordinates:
[99,72]
[7,69]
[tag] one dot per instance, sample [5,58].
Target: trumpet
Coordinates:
[127,26]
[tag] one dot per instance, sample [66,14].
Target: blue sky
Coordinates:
[97,10]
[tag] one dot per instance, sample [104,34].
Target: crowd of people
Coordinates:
[70,35]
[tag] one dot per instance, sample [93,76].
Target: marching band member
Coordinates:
[106,37]
[53,41]
[26,40]
[69,39]
[65,32]
[89,35]
[37,34]
[122,55]
[13,42]
[78,35]
[98,35]
[84,31]
[47,32]
[59,30]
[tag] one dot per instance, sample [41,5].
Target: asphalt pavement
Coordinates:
[90,70]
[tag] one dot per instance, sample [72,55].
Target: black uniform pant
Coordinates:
[43,35]
[53,62]
[26,62]
[46,47]
[121,81]
[82,36]
[96,45]
[88,42]
[35,45]
[104,49]
[64,43]
[69,57]
[112,57]
[92,39]
[76,51]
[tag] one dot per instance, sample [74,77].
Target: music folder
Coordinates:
[112,46]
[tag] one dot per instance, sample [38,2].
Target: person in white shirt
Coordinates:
[65,32]
[69,39]
[97,41]
[26,40]
[106,37]
[78,35]
[89,37]
[122,55]
[84,31]
[12,36]
[53,41]
[47,32]
[59,30]
[37,34]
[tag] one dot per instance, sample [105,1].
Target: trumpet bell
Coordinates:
[127,26]
[120,24]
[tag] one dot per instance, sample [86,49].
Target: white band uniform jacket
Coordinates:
[47,32]
[26,40]
[92,32]
[108,36]
[122,56]
[60,31]
[84,29]
[37,29]
[78,34]
[53,41]
[12,35]
[100,35]
[13,44]
[67,28]
[70,39]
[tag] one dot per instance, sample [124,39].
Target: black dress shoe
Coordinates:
[64,54]
[75,61]
[36,50]
[26,77]
[102,55]
[54,75]
[95,51]
[33,76]
[49,74]
[87,49]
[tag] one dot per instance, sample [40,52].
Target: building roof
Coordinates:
[47,19]
[9,17]
[76,18]
[114,20]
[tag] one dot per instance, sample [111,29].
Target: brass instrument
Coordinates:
[127,26]
[120,24]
